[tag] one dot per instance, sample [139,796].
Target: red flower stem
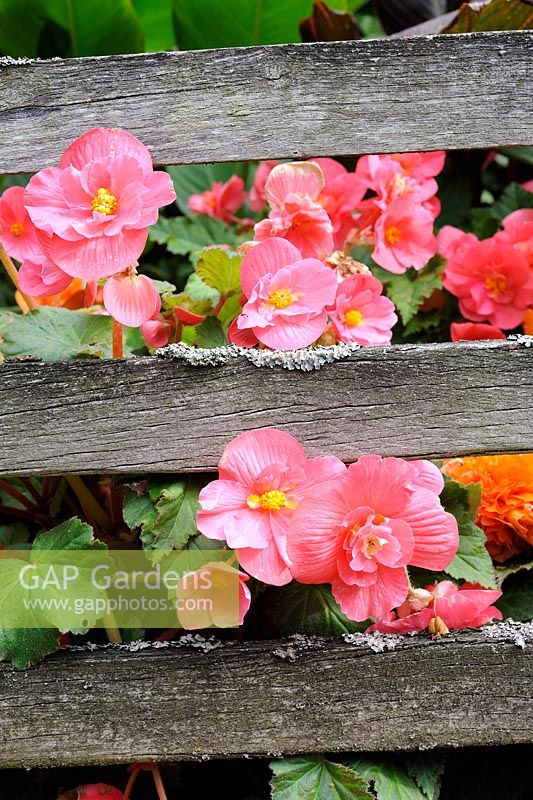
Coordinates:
[118,347]
[158,782]
[89,504]
[24,302]
[50,487]
[32,490]
[131,783]
[218,307]
[18,496]
[16,512]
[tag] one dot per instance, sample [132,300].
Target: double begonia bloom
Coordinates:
[286,296]
[221,201]
[361,531]
[449,608]
[264,475]
[361,313]
[17,232]
[257,196]
[341,195]
[474,331]
[404,236]
[387,176]
[293,190]
[492,280]
[228,595]
[98,204]
[518,231]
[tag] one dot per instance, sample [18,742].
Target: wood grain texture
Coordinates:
[155,415]
[290,101]
[266,699]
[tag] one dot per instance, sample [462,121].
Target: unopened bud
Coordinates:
[346,265]
[437,627]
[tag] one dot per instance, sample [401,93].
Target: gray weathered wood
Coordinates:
[267,698]
[155,415]
[292,101]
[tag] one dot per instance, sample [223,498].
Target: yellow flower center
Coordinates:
[353,318]
[17,229]
[269,501]
[400,182]
[373,545]
[104,202]
[281,298]
[393,234]
[495,286]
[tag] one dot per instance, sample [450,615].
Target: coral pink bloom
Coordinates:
[293,191]
[286,295]
[451,241]
[99,204]
[518,231]
[421,165]
[404,236]
[342,193]
[98,791]
[360,532]
[221,201]
[263,476]
[361,313]
[229,597]
[472,331]
[387,177]
[456,607]
[257,197]
[131,299]
[493,282]
[17,232]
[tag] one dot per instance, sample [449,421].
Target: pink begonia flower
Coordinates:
[421,165]
[131,299]
[99,203]
[156,331]
[292,190]
[474,331]
[229,597]
[450,606]
[286,295]
[17,232]
[263,476]
[221,201]
[404,236]
[40,277]
[518,231]
[98,791]
[493,282]
[361,531]
[361,313]
[341,195]
[387,177]
[451,241]
[257,197]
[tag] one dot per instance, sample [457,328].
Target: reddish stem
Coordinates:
[158,782]
[18,496]
[131,782]
[118,347]
[16,512]
[32,490]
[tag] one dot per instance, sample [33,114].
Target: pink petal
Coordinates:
[100,143]
[92,259]
[264,258]
[361,602]
[131,300]
[246,456]
[428,476]
[155,332]
[435,531]
[41,280]
[299,177]
[380,483]
[266,565]
[219,501]
[293,333]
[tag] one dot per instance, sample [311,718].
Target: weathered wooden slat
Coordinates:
[268,698]
[288,101]
[155,415]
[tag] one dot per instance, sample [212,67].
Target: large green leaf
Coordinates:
[472,561]
[511,199]
[311,610]
[516,601]
[524,154]
[409,290]
[56,334]
[220,270]
[498,15]
[69,28]
[215,23]
[184,236]
[165,512]
[315,778]
[390,781]
[156,17]
[426,769]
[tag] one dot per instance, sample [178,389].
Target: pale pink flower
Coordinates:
[292,190]
[341,195]
[131,299]
[361,313]
[387,177]
[99,203]
[518,231]
[451,241]
[263,476]
[286,295]
[361,531]
[493,282]
[229,597]
[257,197]
[472,331]
[404,236]
[17,232]
[455,607]
[221,201]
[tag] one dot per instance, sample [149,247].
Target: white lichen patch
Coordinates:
[307,359]
[510,631]
[193,640]
[521,338]
[377,642]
